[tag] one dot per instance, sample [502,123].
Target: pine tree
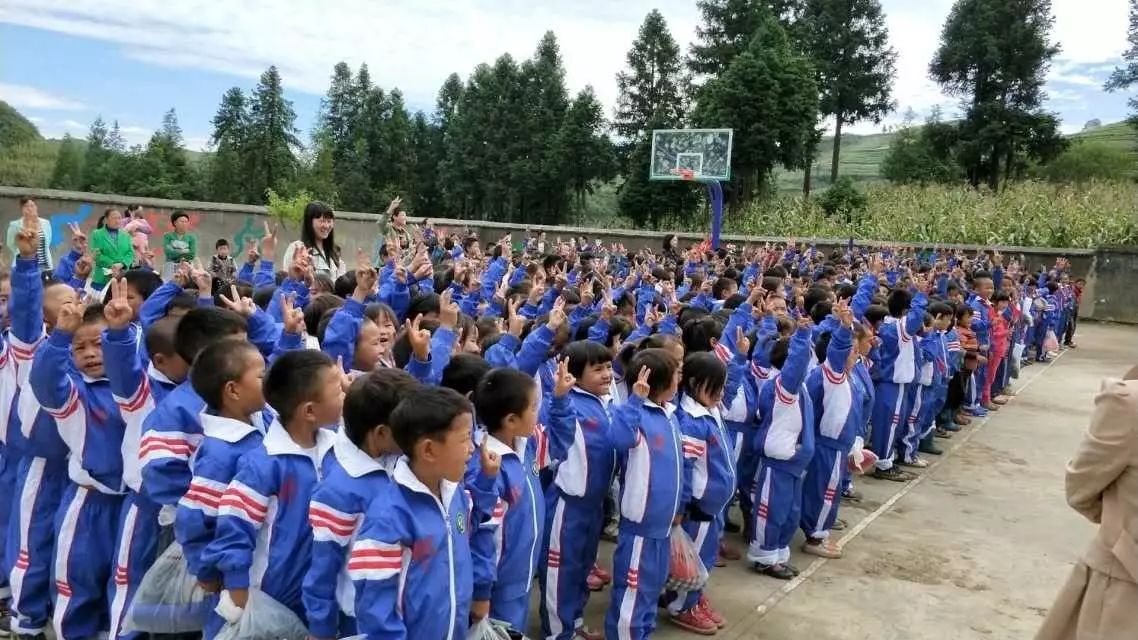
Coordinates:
[994,55]
[96,175]
[650,88]
[115,140]
[728,27]
[768,96]
[339,126]
[164,171]
[68,171]
[853,62]
[227,168]
[272,139]
[1126,77]
[583,153]
[426,155]
[545,100]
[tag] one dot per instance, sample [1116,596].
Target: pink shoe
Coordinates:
[694,620]
[605,576]
[712,614]
[594,582]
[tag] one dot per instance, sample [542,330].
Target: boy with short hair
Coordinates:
[363,457]
[411,563]
[221,265]
[263,514]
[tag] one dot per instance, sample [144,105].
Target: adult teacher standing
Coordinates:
[29,219]
[1100,599]
[112,247]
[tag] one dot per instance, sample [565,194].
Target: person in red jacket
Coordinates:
[999,336]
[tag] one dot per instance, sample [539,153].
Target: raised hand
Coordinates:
[400,274]
[448,310]
[517,321]
[742,342]
[251,254]
[608,309]
[27,242]
[640,388]
[70,316]
[420,339]
[117,310]
[491,462]
[805,322]
[844,313]
[557,317]
[588,293]
[564,380]
[293,317]
[366,276]
[183,274]
[269,242]
[202,278]
[244,306]
[78,238]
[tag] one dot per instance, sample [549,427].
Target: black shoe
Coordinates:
[851,496]
[931,449]
[776,571]
[793,569]
[942,433]
[892,474]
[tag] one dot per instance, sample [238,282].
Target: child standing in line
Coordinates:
[654,487]
[221,265]
[411,563]
[263,514]
[360,467]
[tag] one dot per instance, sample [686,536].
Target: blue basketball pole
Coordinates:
[715,195]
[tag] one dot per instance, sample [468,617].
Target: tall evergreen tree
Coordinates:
[164,170]
[447,103]
[97,159]
[426,155]
[768,96]
[583,153]
[650,87]
[115,140]
[853,62]
[227,180]
[1126,76]
[339,129]
[994,55]
[272,139]
[68,171]
[728,27]
[537,175]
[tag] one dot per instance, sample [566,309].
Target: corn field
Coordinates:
[1028,214]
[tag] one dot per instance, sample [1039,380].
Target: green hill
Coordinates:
[862,155]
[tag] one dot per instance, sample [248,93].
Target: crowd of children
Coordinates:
[413,447]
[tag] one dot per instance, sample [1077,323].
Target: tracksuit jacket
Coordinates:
[352,480]
[653,482]
[411,563]
[707,444]
[838,416]
[263,518]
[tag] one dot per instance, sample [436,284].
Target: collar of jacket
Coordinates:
[407,479]
[279,442]
[604,400]
[503,449]
[356,461]
[668,407]
[153,372]
[228,429]
[694,408]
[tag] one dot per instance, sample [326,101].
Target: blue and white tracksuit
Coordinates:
[89,423]
[920,395]
[170,436]
[864,391]
[9,454]
[707,444]
[40,458]
[507,545]
[137,390]
[214,466]
[894,372]
[835,397]
[262,518]
[411,562]
[655,485]
[352,480]
[579,434]
[784,445]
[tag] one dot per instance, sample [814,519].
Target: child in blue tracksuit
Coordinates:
[359,468]
[908,440]
[894,372]
[838,413]
[262,518]
[784,446]
[411,563]
[34,449]
[862,381]
[655,486]
[579,433]
[937,369]
[507,546]
[714,482]
[227,376]
[68,380]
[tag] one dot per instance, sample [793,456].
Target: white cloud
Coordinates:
[414,46]
[25,97]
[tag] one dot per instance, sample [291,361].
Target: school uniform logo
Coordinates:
[460,522]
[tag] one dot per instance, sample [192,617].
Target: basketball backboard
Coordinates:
[691,154]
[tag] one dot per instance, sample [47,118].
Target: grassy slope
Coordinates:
[862,155]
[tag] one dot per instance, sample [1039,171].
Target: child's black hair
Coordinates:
[501,392]
[899,302]
[720,287]
[423,304]
[822,345]
[218,364]
[698,334]
[93,314]
[937,309]
[875,313]
[221,242]
[820,311]
[263,296]
[184,301]
[1001,296]
[963,310]
[463,372]
[160,336]
[143,282]
[295,379]
[662,368]
[703,371]
[401,348]
[202,326]
[371,399]
[318,305]
[779,352]
[583,354]
[345,285]
[177,215]
[1052,286]
[426,413]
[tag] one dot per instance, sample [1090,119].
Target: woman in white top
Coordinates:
[29,219]
[317,235]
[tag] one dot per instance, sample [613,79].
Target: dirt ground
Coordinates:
[975,548]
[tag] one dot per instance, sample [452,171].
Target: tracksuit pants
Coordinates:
[891,405]
[910,436]
[821,491]
[778,512]
[137,549]
[991,371]
[85,526]
[8,465]
[705,535]
[640,570]
[745,464]
[30,542]
[572,536]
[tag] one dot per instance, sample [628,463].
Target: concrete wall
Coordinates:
[1112,274]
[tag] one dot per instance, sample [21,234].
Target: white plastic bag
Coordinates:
[685,571]
[262,619]
[487,629]
[168,600]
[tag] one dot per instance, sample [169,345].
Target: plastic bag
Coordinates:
[168,600]
[1050,342]
[262,619]
[686,571]
[488,629]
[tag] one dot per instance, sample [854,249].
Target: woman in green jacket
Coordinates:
[112,249]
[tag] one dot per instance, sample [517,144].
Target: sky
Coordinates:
[64,62]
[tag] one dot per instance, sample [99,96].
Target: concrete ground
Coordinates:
[976,547]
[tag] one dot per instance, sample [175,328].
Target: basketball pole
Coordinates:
[715,196]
